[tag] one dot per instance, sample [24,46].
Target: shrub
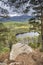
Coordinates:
[4,50]
[33,45]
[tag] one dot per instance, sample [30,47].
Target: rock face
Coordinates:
[25,59]
[19,48]
[3,64]
[16,63]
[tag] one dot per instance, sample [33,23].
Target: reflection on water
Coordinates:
[29,34]
[30,37]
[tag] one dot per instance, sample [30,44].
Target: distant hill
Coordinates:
[16,18]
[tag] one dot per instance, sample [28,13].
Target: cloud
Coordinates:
[15,14]
[16,11]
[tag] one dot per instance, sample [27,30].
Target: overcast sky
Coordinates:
[14,11]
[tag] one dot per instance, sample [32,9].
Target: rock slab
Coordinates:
[19,48]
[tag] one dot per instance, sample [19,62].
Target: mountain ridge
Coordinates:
[16,18]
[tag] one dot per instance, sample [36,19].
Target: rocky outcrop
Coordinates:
[3,64]
[19,48]
[22,54]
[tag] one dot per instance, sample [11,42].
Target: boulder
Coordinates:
[16,63]
[19,48]
[3,64]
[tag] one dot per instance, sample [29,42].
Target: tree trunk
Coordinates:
[42,27]
[42,32]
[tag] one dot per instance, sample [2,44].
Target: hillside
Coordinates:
[22,18]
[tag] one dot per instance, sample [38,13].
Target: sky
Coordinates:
[14,11]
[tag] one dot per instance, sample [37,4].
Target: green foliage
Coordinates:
[8,31]
[4,49]
[8,34]
[35,45]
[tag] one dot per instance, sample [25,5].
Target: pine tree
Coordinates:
[37,5]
